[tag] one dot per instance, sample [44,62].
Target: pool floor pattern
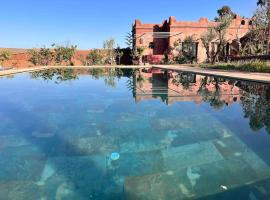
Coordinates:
[153,170]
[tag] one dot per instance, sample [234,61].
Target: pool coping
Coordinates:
[32,69]
[248,76]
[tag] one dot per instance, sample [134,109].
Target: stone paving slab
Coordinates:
[230,147]
[194,182]
[87,176]
[18,168]
[132,164]
[19,190]
[199,170]
[258,191]
[190,155]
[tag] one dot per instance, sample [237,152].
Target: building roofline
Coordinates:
[203,22]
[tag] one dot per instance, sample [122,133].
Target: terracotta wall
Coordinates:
[179,30]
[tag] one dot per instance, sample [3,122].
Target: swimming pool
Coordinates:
[133,134]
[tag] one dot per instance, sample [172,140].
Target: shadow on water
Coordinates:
[77,171]
[87,179]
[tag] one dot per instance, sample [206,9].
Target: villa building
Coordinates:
[160,38]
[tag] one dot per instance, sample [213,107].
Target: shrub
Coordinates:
[167,58]
[137,55]
[43,56]
[63,55]
[4,55]
[94,58]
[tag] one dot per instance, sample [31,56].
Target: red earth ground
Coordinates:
[20,58]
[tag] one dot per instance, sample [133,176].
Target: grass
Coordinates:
[248,66]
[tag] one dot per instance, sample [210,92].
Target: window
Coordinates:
[190,49]
[151,45]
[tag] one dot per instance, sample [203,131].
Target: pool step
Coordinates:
[150,162]
[257,191]
[189,172]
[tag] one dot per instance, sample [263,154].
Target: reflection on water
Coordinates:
[218,92]
[57,75]
[60,75]
[176,136]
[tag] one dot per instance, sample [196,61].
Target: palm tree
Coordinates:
[261,2]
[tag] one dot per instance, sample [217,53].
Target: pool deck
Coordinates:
[250,76]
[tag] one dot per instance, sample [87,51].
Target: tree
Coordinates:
[214,40]
[225,11]
[94,58]
[64,54]
[186,50]
[42,57]
[189,49]
[262,18]
[4,55]
[119,54]
[239,47]
[263,2]
[130,41]
[207,38]
[108,46]
[137,55]
[221,37]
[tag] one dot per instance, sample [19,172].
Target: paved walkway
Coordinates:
[251,76]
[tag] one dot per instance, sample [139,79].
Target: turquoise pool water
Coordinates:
[134,135]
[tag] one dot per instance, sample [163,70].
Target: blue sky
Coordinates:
[86,23]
